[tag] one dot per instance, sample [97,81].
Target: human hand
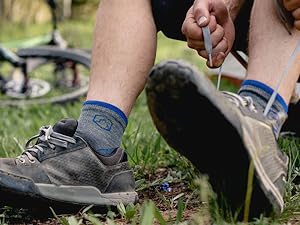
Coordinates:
[293,6]
[213,13]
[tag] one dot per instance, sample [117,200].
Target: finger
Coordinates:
[212,24]
[190,27]
[291,5]
[203,53]
[191,30]
[217,36]
[217,60]
[296,14]
[221,12]
[195,44]
[222,46]
[187,20]
[297,24]
[201,11]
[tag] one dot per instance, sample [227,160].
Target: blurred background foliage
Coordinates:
[22,20]
[37,11]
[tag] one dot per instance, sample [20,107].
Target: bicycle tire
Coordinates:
[47,55]
[73,54]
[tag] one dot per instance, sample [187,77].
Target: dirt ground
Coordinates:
[166,199]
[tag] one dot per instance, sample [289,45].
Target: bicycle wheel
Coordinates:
[54,75]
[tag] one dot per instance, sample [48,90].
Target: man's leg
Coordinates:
[81,163]
[123,52]
[124,48]
[269,55]
[270,47]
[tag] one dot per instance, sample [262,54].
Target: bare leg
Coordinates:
[270,47]
[123,52]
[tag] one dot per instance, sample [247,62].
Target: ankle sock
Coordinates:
[102,125]
[261,93]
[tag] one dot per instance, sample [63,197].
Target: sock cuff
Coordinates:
[108,106]
[264,90]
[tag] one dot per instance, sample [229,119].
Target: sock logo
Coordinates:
[102,122]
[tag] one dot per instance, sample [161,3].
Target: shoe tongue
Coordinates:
[66,127]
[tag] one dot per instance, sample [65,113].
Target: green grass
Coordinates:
[153,161]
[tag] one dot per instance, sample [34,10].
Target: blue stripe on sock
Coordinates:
[108,106]
[267,89]
[106,151]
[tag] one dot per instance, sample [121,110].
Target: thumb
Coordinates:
[201,11]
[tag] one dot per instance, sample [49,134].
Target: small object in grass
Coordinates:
[165,187]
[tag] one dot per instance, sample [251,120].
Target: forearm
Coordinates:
[234,7]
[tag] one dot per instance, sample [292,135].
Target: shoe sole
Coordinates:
[182,102]
[20,191]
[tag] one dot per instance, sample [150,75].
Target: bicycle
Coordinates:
[49,73]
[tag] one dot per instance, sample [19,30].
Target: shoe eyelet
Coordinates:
[32,161]
[21,160]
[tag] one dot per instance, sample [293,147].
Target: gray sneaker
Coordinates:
[61,169]
[221,133]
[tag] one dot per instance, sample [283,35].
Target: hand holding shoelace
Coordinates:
[215,15]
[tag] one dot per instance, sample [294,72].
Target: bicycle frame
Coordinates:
[11,57]
[46,72]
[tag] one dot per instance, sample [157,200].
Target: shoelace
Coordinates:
[208,48]
[276,119]
[238,100]
[46,138]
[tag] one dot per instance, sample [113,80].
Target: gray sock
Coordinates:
[102,125]
[260,93]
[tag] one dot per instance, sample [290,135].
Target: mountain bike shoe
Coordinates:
[61,170]
[226,136]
